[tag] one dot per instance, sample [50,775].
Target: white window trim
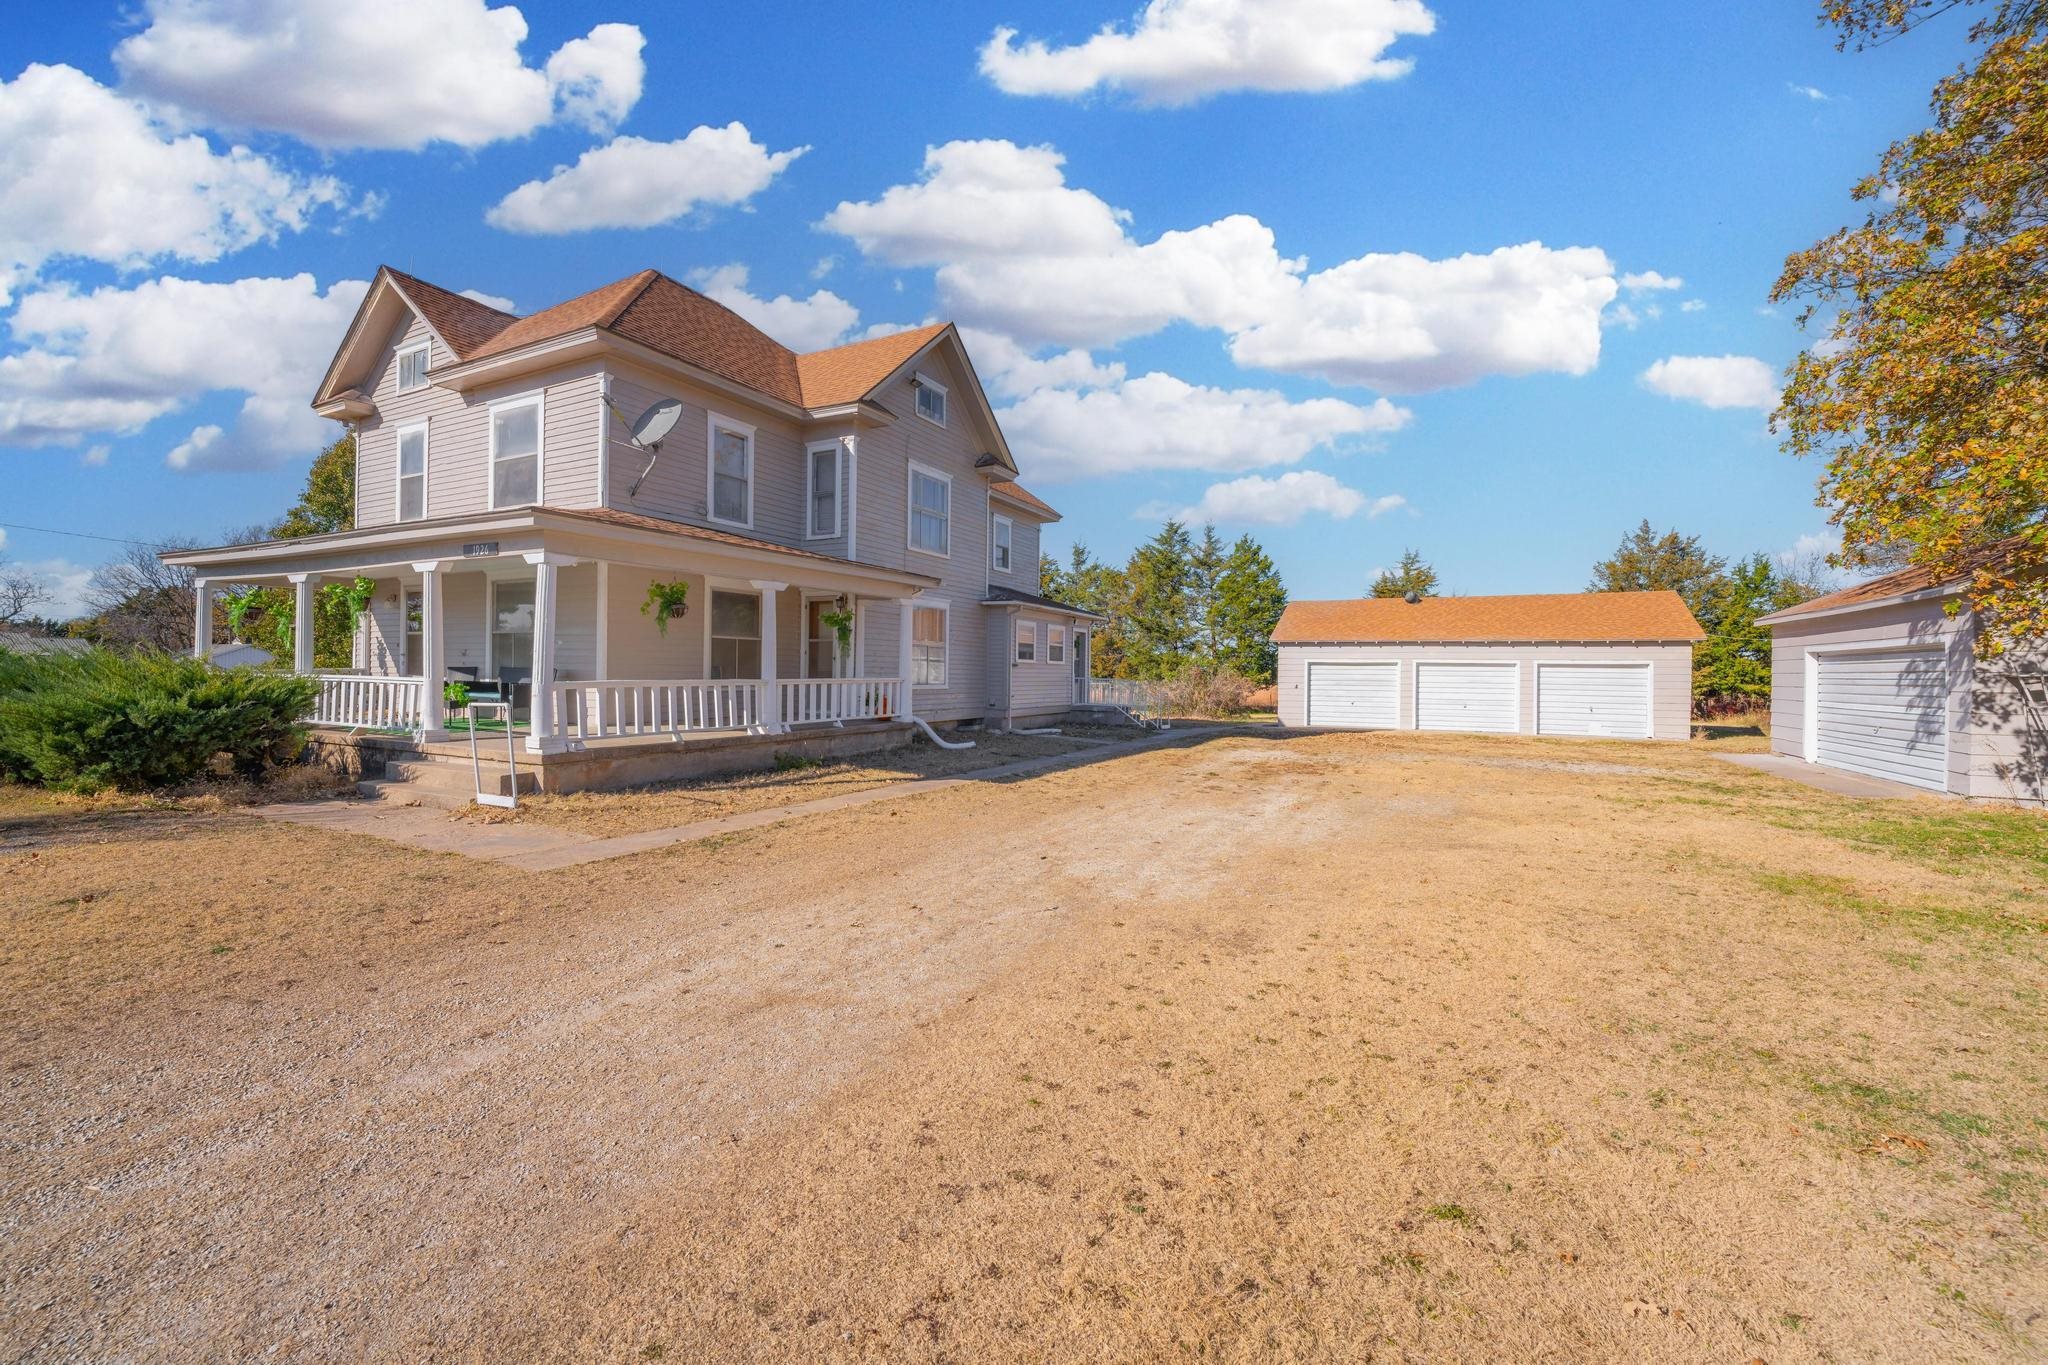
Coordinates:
[713,423]
[398,465]
[995,543]
[398,383]
[735,588]
[538,400]
[811,489]
[1055,638]
[925,381]
[1025,633]
[945,610]
[910,509]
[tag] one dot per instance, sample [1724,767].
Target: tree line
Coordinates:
[1179,602]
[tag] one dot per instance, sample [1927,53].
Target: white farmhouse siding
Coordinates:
[1617,665]
[1888,683]
[458,436]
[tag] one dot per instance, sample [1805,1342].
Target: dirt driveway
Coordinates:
[1316,1047]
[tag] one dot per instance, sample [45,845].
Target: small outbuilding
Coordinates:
[1884,679]
[1611,664]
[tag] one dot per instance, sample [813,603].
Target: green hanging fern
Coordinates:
[665,600]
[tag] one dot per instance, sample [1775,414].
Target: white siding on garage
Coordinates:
[1354,696]
[1467,697]
[1884,714]
[1607,700]
[1671,674]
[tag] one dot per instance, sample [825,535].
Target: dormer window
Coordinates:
[412,367]
[931,400]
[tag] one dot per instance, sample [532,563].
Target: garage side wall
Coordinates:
[1900,625]
[1670,675]
[2006,741]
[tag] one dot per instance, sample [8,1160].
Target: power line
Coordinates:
[83,535]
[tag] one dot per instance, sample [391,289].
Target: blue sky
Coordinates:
[1510,416]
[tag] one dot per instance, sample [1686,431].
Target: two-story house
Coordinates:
[514,528]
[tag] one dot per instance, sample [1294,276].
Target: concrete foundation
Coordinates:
[605,765]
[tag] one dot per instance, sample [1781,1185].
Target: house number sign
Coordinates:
[480,549]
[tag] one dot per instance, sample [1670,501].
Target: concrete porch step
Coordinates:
[441,776]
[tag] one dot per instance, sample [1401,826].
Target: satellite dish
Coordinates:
[1411,597]
[657,422]
[654,424]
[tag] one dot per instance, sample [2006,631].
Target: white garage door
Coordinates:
[1467,697]
[1354,696]
[1885,715]
[1593,699]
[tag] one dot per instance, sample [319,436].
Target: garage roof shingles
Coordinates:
[1540,618]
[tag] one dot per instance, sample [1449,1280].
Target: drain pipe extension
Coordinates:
[1048,730]
[933,735]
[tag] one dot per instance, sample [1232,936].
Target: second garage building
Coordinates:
[1615,665]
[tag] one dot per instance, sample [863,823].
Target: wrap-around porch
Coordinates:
[562,633]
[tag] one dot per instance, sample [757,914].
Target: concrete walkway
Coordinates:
[540,848]
[1828,779]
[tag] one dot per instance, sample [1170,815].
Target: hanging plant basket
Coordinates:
[666,602]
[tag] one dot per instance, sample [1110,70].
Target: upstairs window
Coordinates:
[732,472]
[928,646]
[931,511]
[412,367]
[412,473]
[1027,641]
[823,500]
[515,453]
[931,400]
[1000,543]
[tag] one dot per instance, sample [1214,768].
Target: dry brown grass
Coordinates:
[1261,1047]
[666,804]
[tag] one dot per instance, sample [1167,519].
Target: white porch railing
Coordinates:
[365,703]
[812,701]
[649,709]
[1128,693]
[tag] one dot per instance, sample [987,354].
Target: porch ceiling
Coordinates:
[583,533]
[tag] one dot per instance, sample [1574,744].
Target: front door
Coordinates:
[821,642]
[1080,668]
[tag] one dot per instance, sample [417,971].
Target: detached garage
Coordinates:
[1880,679]
[1614,665]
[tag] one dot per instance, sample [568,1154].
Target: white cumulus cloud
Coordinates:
[89,174]
[1019,251]
[110,360]
[631,182]
[497,301]
[375,73]
[1180,51]
[1717,381]
[1157,421]
[1285,500]
[1013,371]
[809,324]
[1643,281]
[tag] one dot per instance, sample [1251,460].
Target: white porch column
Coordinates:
[771,695]
[302,623]
[540,730]
[202,619]
[433,654]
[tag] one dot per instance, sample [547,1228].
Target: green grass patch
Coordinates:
[1841,894]
[2006,839]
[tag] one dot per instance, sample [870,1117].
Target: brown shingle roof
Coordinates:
[461,321]
[1905,581]
[1531,616]
[639,522]
[846,374]
[1024,498]
[594,309]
